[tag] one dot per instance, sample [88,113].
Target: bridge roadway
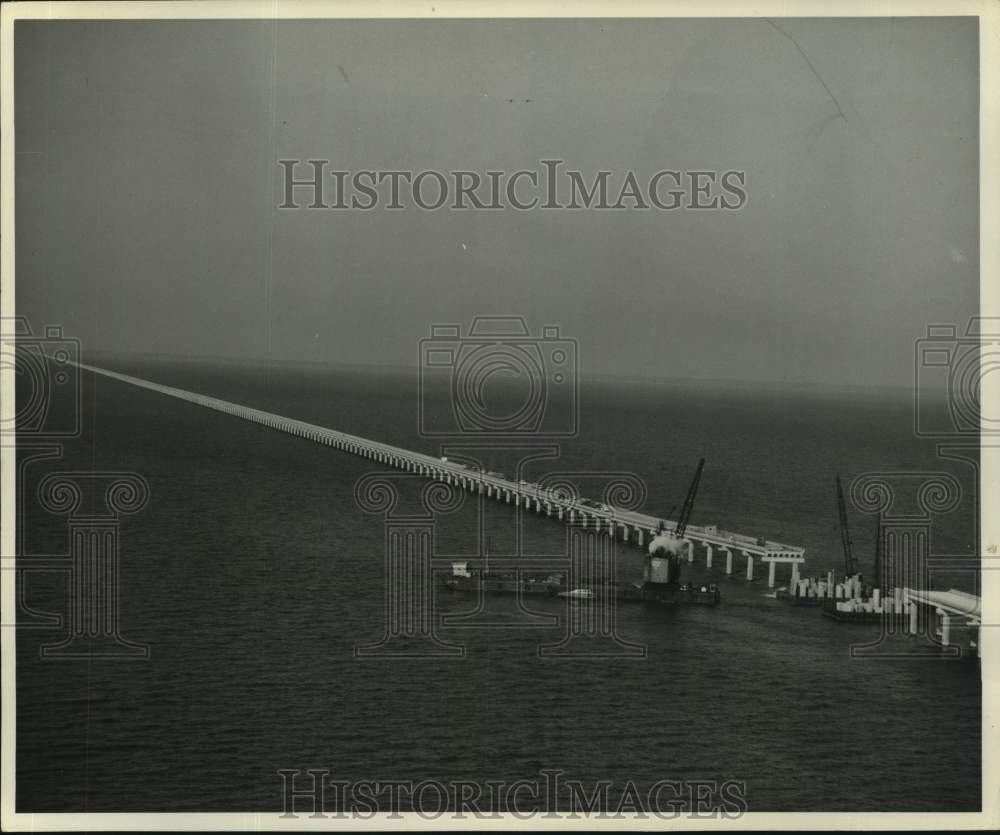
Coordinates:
[629,526]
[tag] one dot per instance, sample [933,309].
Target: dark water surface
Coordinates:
[252,574]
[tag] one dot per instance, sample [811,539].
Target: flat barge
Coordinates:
[471,581]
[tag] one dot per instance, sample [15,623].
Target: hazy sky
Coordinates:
[148,187]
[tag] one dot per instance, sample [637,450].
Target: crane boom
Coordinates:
[688,506]
[877,574]
[845,534]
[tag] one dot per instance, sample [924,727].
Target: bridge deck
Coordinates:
[640,523]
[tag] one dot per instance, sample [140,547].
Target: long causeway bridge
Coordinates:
[628,526]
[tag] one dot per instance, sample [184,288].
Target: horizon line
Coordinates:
[596,376]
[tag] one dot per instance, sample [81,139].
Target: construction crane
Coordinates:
[688,506]
[663,525]
[845,534]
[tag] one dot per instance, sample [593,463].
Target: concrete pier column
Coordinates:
[945,627]
[561,511]
[642,538]
[914,616]
[729,561]
[572,516]
[690,546]
[770,574]
[708,556]
[795,576]
[749,567]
